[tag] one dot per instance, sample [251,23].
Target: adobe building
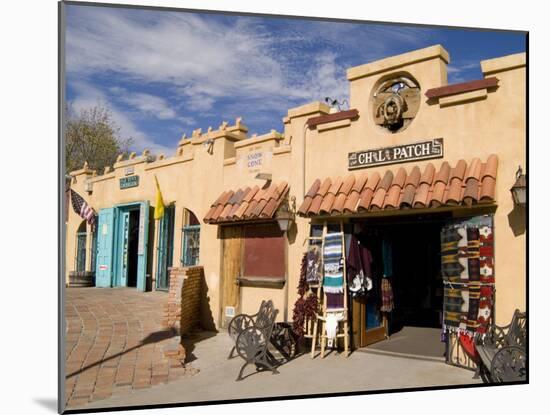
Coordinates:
[410,159]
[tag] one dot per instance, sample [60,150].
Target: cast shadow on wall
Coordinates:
[517,220]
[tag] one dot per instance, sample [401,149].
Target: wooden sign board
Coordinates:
[423,150]
[130,181]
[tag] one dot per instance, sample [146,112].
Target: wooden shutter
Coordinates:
[264,251]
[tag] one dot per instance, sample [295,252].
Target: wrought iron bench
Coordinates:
[251,335]
[502,351]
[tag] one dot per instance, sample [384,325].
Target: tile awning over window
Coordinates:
[464,184]
[247,204]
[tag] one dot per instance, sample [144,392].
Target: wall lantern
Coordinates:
[286,213]
[519,189]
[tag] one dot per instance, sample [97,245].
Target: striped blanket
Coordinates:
[467,259]
[333,281]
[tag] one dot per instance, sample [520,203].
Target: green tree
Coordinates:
[92,136]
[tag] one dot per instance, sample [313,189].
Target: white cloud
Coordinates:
[146,103]
[88,96]
[206,59]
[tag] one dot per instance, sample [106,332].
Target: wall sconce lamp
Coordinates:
[519,189]
[286,213]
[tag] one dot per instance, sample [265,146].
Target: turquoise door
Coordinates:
[165,246]
[124,225]
[142,245]
[105,236]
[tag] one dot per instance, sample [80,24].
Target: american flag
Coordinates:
[82,208]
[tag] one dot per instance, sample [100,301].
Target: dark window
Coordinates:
[190,239]
[80,251]
[264,251]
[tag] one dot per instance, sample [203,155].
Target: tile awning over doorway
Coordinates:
[464,184]
[249,203]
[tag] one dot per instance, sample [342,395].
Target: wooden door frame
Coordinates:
[223,276]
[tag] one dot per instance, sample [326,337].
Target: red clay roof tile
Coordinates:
[421,196]
[238,215]
[365,199]
[335,186]
[471,191]
[459,170]
[474,169]
[436,199]
[443,173]
[250,195]
[488,186]
[428,175]
[326,205]
[323,189]
[247,203]
[414,177]
[347,184]
[338,205]
[491,168]
[315,205]
[209,214]
[269,208]
[350,204]
[407,197]
[373,180]
[314,188]
[360,182]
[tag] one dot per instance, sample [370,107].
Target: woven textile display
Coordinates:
[313,265]
[467,258]
[333,281]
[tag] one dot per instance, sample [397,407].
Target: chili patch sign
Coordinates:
[423,150]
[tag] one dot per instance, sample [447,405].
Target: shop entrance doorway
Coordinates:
[122,246]
[406,253]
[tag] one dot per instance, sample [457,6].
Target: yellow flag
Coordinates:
[159,206]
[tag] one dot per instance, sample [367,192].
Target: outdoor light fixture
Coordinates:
[286,213]
[519,189]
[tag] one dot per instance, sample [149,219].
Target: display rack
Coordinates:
[319,324]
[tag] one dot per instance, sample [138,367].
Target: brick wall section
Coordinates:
[182,309]
[191,300]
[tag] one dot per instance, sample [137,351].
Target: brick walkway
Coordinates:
[115,343]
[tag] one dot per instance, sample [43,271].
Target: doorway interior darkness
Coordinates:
[416,272]
[133,238]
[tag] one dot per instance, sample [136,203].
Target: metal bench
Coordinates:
[502,351]
[251,335]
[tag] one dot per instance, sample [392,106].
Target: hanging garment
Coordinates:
[331,326]
[387,296]
[313,265]
[358,268]
[333,281]
[387,258]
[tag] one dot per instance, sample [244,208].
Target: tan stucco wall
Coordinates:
[474,125]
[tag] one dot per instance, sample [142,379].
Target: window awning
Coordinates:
[465,184]
[247,204]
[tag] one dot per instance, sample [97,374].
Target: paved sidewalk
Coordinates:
[114,343]
[359,372]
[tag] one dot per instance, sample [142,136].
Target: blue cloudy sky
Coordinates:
[164,73]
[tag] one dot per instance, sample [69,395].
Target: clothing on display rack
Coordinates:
[333,281]
[387,296]
[358,266]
